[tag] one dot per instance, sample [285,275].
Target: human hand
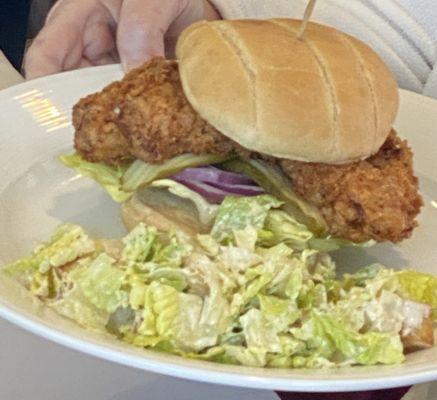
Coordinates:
[82,33]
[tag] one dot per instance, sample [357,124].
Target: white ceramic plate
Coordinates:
[37,193]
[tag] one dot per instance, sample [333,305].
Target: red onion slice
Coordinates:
[242,190]
[210,174]
[212,194]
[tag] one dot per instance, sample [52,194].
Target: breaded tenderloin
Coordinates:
[377,198]
[158,119]
[147,116]
[98,136]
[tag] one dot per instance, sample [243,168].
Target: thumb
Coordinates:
[141,30]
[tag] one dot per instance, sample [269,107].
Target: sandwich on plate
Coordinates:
[239,167]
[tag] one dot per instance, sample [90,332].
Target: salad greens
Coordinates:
[274,181]
[109,177]
[257,291]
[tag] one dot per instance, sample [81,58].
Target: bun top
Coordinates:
[328,98]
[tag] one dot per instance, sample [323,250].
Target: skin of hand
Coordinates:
[80,33]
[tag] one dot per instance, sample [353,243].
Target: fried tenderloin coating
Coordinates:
[376,198]
[147,116]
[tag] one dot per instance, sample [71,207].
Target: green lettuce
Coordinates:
[109,177]
[274,181]
[68,243]
[101,282]
[184,319]
[139,244]
[237,213]
[75,306]
[419,287]
[327,337]
[285,229]
[141,174]
[122,181]
[255,291]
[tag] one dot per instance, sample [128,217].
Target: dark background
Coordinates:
[13,29]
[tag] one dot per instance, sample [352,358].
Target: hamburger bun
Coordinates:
[163,210]
[328,98]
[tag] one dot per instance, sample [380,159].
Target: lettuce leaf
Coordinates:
[109,177]
[68,243]
[238,213]
[189,322]
[101,282]
[139,243]
[419,287]
[140,173]
[285,229]
[75,306]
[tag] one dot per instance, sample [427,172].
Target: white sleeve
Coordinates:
[430,88]
[238,9]
[402,32]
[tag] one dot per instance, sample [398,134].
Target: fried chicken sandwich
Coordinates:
[257,143]
[307,120]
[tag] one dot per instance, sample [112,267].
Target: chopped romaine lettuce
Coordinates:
[237,213]
[100,282]
[285,229]
[138,244]
[255,291]
[419,287]
[75,306]
[68,243]
[327,337]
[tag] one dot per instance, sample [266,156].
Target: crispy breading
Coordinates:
[158,119]
[147,116]
[376,198]
[98,136]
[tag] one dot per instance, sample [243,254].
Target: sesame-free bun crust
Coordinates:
[328,98]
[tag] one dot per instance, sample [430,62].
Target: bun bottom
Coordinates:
[163,210]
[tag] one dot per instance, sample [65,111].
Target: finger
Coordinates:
[84,63]
[59,44]
[99,40]
[104,59]
[46,57]
[142,26]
